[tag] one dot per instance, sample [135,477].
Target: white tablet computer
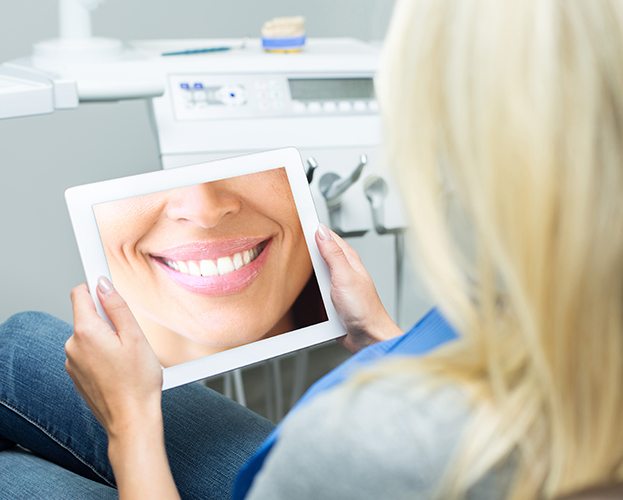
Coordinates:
[217,261]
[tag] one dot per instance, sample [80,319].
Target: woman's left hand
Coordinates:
[115,370]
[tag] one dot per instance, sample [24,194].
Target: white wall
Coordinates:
[41,156]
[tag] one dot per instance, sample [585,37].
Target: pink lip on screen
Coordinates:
[226,284]
[209,249]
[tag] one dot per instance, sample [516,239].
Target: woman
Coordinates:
[514,107]
[212,266]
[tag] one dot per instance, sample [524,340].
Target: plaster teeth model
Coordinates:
[284,34]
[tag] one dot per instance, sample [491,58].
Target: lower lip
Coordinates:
[228,284]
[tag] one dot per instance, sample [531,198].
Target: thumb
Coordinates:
[332,253]
[116,308]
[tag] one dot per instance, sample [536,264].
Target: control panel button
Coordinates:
[329,107]
[233,95]
[185,86]
[373,105]
[314,107]
[200,95]
[345,106]
[360,106]
[298,107]
[197,85]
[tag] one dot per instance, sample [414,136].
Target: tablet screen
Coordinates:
[212,266]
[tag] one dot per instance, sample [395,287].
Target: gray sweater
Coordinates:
[390,439]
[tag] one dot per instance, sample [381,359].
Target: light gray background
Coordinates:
[41,156]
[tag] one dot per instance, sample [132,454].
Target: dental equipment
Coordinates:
[312,165]
[192,52]
[375,189]
[205,50]
[76,41]
[99,69]
[332,186]
[26,93]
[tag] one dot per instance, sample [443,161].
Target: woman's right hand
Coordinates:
[354,294]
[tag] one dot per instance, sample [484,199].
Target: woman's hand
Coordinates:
[120,378]
[354,294]
[115,370]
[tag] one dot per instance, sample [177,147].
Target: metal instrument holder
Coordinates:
[332,186]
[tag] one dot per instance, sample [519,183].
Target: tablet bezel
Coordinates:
[81,199]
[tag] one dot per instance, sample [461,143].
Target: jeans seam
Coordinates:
[57,441]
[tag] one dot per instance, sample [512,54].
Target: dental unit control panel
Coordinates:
[250,96]
[321,101]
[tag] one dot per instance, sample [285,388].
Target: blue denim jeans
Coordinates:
[208,437]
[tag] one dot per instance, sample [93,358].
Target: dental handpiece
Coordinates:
[332,187]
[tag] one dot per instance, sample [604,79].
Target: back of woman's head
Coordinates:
[509,113]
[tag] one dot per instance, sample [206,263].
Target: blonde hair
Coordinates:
[517,106]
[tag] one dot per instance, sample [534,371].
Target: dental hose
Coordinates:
[399,248]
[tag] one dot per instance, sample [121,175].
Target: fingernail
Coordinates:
[104,285]
[323,232]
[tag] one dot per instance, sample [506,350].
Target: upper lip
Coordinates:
[199,250]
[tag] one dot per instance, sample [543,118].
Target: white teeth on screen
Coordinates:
[220,266]
[237,260]
[193,268]
[246,257]
[225,265]
[208,268]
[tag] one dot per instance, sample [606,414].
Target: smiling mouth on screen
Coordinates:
[215,268]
